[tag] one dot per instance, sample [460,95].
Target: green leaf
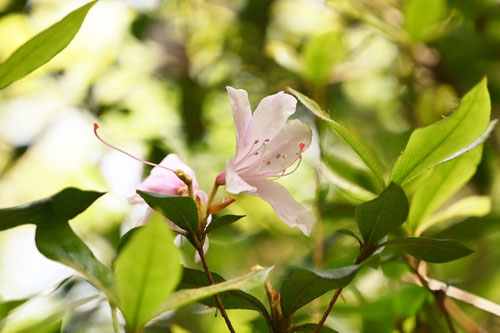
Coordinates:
[383,214]
[147,271]
[429,249]
[310,328]
[55,239]
[180,210]
[126,238]
[349,233]
[321,54]
[7,306]
[186,296]
[438,142]
[43,47]
[222,221]
[234,299]
[304,285]
[466,207]
[443,182]
[344,134]
[422,17]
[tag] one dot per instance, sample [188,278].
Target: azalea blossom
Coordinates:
[166,182]
[267,146]
[164,179]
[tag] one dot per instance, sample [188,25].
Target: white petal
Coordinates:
[234,183]
[286,207]
[242,113]
[270,116]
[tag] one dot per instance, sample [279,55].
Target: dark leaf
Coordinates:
[304,285]
[180,210]
[382,215]
[222,221]
[428,249]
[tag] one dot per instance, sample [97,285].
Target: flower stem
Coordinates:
[114,317]
[213,192]
[211,280]
[328,309]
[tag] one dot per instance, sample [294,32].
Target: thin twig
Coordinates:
[328,309]
[217,298]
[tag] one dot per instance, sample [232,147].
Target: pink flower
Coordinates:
[267,144]
[163,181]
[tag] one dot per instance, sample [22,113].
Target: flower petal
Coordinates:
[163,181]
[242,113]
[270,116]
[286,207]
[234,183]
[281,152]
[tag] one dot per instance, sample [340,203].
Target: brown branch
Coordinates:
[216,296]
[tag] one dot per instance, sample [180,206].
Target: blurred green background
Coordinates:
[153,74]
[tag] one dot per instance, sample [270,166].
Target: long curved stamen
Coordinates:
[96,126]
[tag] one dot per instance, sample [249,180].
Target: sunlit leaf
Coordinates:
[304,285]
[180,210]
[343,133]
[443,182]
[233,299]
[222,221]
[383,214]
[428,249]
[147,271]
[433,144]
[43,47]
[186,296]
[55,239]
[466,207]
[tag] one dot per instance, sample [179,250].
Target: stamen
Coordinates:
[284,173]
[266,140]
[96,126]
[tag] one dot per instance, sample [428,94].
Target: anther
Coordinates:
[278,156]
[266,140]
[256,153]
[256,142]
[268,162]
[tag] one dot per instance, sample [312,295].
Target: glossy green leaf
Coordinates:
[428,249]
[54,237]
[304,285]
[126,238]
[310,328]
[234,299]
[180,210]
[147,271]
[422,17]
[186,296]
[383,214]
[466,207]
[344,134]
[321,54]
[443,182]
[222,221]
[433,144]
[43,47]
